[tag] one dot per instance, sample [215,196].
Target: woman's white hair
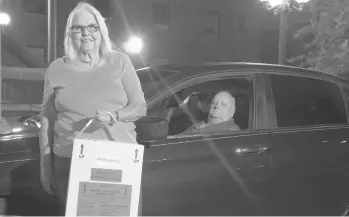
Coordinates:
[106,45]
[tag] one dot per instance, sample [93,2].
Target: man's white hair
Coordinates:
[106,45]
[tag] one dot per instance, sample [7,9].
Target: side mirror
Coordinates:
[151,128]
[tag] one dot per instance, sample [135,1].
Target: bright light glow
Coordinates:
[277,3]
[16,130]
[302,1]
[134,45]
[4,19]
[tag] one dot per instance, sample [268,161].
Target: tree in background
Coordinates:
[326,37]
[283,8]
[283,5]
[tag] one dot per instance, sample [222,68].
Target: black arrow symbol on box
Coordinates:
[82,149]
[136,154]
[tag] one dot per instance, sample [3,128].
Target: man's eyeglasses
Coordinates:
[80,29]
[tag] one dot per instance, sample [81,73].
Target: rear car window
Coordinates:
[303,101]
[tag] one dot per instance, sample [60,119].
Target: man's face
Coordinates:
[222,107]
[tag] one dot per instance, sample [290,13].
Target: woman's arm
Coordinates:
[136,107]
[46,119]
[45,136]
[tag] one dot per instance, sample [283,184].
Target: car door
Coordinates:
[309,147]
[225,173]
[20,173]
[19,163]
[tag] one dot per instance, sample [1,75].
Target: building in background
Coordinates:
[174,31]
[180,31]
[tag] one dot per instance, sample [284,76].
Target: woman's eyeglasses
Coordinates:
[80,29]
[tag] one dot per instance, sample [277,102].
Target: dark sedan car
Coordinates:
[290,156]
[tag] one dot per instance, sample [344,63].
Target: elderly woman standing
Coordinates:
[91,81]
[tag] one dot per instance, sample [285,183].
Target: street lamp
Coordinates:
[284,8]
[4,20]
[134,45]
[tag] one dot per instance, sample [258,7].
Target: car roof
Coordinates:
[182,72]
[192,70]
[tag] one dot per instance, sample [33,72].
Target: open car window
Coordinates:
[196,108]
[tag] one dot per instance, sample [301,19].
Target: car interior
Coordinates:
[190,105]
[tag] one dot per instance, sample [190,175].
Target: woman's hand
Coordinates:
[103,117]
[46,175]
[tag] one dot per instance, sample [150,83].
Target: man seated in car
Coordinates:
[220,115]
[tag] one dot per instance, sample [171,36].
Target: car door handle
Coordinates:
[254,150]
